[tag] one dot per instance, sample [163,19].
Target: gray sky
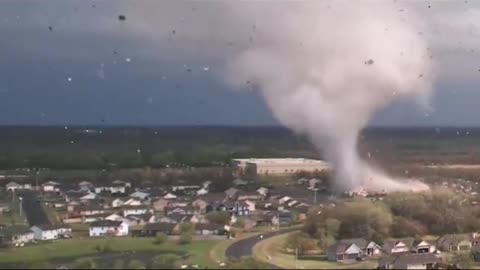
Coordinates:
[162,65]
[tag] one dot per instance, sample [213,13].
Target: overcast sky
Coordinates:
[162,65]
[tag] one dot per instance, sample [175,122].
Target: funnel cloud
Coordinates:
[324,72]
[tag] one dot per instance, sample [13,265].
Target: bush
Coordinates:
[185,238]
[136,264]
[118,264]
[161,238]
[165,261]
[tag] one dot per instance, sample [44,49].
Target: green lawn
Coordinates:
[198,250]
[270,251]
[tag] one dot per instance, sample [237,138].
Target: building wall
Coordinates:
[122,230]
[278,166]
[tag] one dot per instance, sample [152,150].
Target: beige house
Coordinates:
[279,166]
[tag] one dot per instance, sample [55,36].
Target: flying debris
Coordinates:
[122,17]
[369,62]
[50,28]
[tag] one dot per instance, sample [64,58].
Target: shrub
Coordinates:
[185,238]
[161,238]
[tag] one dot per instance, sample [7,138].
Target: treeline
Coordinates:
[440,211]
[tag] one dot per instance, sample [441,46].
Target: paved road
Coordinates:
[244,247]
[33,209]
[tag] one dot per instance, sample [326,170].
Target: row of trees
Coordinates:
[438,212]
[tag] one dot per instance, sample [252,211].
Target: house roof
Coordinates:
[452,239]
[388,245]
[231,192]
[401,261]
[105,223]
[340,248]
[51,227]
[51,183]
[160,226]
[359,242]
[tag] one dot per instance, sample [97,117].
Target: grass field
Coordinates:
[74,248]
[269,251]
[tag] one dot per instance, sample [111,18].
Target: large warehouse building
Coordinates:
[279,166]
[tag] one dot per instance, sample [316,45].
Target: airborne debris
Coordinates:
[174,32]
[369,62]
[206,68]
[50,28]
[122,17]
[420,75]
[128,60]
[69,79]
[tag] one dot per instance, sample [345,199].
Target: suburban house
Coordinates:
[154,229]
[410,261]
[85,186]
[108,227]
[135,220]
[51,186]
[160,204]
[238,208]
[169,196]
[117,203]
[422,246]
[262,191]
[132,202]
[369,248]
[239,182]
[202,191]
[86,210]
[207,229]
[231,193]
[17,235]
[122,183]
[200,204]
[243,195]
[187,210]
[279,218]
[342,252]
[396,246]
[88,196]
[351,249]
[454,242]
[134,210]
[140,195]
[13,186]
[250,205]
[51,232]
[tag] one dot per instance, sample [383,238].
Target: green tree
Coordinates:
[220,218]
[161,238]
[166,261]
[464,260]
[185,238]
[136,264]
[301,242]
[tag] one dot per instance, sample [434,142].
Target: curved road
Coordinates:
[244,247]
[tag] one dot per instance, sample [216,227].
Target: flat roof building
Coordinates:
[279,166]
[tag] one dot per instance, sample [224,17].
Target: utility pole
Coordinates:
[296,256]
[315,195]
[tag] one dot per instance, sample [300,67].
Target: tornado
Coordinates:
[324,71]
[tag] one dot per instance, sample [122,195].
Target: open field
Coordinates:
[75,248]
[269,251]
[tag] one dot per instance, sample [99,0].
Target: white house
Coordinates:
[122,183]
[12,186]
[202,191]
[251,205]
[50,232]
[51,186]
[134,211]
[262,191]
[20,236]
[85,186]
[133,202]
[108,227]
[114,217]
[140,195]
[117,203]
[170,196]
[89,196]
